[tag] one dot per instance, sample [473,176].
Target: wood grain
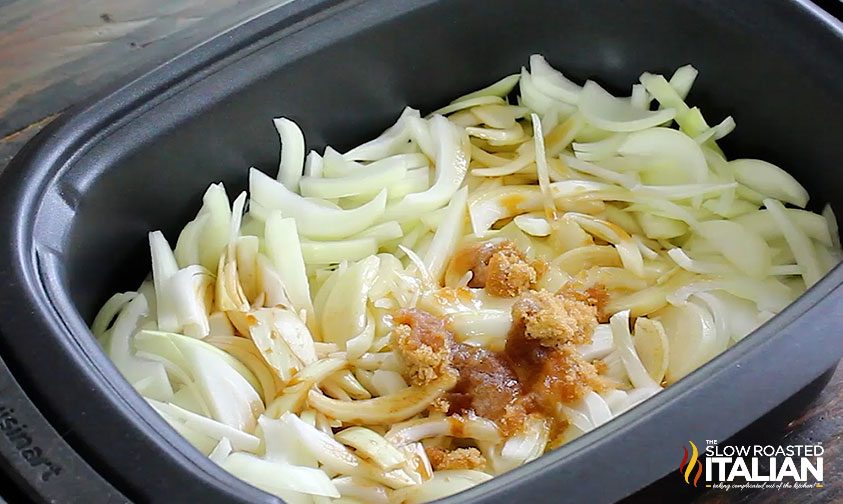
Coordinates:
[55,53]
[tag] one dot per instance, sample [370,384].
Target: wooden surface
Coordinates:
[54,53]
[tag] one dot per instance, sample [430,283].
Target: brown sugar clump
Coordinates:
[460,458]
[499,267]
[509,273]
[554,320]
[424,344]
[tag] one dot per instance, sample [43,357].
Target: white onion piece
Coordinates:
[614,114]
[313,220]
[528,445]
[372,446]
[551,81]
[147,376]
[694,266]
[278,478]
[616,400]
[282,444]
[601,345]
[442,484]
[371,179]
[623,343]
[284,250]
[532,97]
[292,153]
[487,328]
[334,252]
[683,79]
[813,225]
[452,158]
[109,311]
[361,490]
[650,342]
[640,98]
[500,89]
[599,150]
[588,413]
[717,132]
[388,143]
[313,165]
[221,451]
[509,136]
[798,242]
[470,427]
[742,246]
[627,180]
[768,294]
[533,225]
[691,336]
[637,396]
[385,382]
[499,116]
[445,239]
[217,430]
[383,410]
[689,164]
[468,103]
[769,180]
[344,313]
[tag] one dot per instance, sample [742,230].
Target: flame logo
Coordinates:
[686,467]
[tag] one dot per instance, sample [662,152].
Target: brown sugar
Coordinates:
[499,267]
[424,345]
[460,458]
[554,320]
[509,273]
[488,385]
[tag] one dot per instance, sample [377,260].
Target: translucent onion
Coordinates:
[635,369]
[383,410]
[551,81]
[442,484]
[614,114]
[769,180]
[292,153]
[313,220]
[468,427]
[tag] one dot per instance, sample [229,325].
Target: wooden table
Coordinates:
[54,53]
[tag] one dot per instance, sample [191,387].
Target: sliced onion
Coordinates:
[689,164]
[798,242]
[742,246]
[452,158]
[469,427]
[650,342]
[313,220]
[691,336]
[278,478]
[364,182]
[635,369]
[769,180]
[447,235]
[383,410]
[292,153]
[813,225]
[500,89]
[372,446]
[551,82]
[442,484]
[614,114]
